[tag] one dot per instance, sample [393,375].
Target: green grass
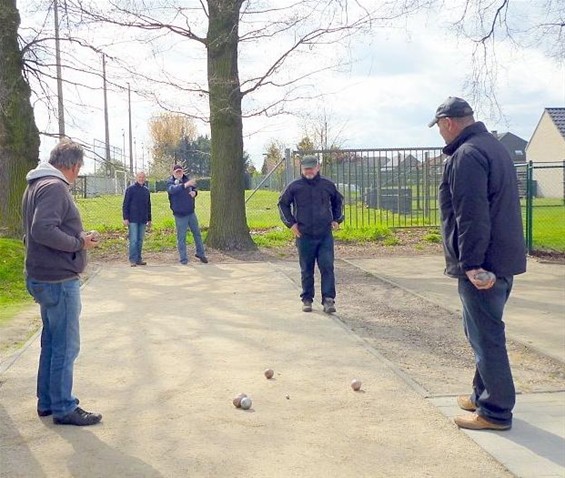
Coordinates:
[362,234]
[13,294]
[362,223]
[433,237]
[105,213]
[549,228]
[276,237]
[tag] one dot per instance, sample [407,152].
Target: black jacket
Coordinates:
[480,206]
[136,207]
[180,201]
[313,204]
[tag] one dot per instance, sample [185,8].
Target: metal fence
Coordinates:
[544,205]
[395,187]
[390,187]
[398,187]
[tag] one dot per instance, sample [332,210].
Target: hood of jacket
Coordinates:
[43,170]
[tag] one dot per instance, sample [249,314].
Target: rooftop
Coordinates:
[558,117]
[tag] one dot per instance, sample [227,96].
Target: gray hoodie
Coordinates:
[52,227]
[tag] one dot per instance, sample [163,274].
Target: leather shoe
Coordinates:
[476,422]
[79,418]
[203,259]
[141,263]
[465,403]
[46,413]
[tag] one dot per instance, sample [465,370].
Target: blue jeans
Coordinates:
[493,387]
[60,343]
[310,251]
[136,235]
[183,223]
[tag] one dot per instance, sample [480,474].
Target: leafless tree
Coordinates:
[221,29]
[488,23]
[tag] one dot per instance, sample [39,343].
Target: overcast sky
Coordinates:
[383,95]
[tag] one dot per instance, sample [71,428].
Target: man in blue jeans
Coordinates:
[136,213]
[312,207]
[484,249]
[56,247]
[182,193]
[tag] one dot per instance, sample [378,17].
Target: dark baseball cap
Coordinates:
[309,161]
[452,107]
[176,167]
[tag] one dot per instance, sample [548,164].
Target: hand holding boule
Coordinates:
[90,238]
[482,279]
[93,235]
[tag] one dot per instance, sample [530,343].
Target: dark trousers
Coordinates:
[310,251]
[493,388]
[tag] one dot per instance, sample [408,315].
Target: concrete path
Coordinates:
[535,313]
[535,316]
[165,349]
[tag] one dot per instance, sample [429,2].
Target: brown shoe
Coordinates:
[465,403]
[476,422]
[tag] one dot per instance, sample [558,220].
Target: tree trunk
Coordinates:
[228,223]
[19,137]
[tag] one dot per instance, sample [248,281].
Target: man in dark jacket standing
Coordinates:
[182,193]
[484,249]
[311,207]
[136,211]
[55,256]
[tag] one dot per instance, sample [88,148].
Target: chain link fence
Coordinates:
[544,205]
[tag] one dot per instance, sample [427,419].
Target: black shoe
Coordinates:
[203,259]
[141,263]
[78,417]
[47,413]
[329,306]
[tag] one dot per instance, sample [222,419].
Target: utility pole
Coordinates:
[124,147]
[130,133]
[60,107]
[106,122]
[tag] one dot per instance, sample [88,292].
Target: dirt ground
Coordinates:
[425,342]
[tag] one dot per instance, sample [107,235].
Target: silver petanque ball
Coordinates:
[485,276]
[95,235]
[246,403]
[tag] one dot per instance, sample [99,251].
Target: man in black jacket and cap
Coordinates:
[312,207]
[484,249]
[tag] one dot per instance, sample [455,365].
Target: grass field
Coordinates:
[13,294]
[549,226]
[362,223]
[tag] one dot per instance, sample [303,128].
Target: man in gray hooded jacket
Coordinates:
[55,256]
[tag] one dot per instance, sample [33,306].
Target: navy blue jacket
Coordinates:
[180,201]
[313,204]
[136,207]
[480,206]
